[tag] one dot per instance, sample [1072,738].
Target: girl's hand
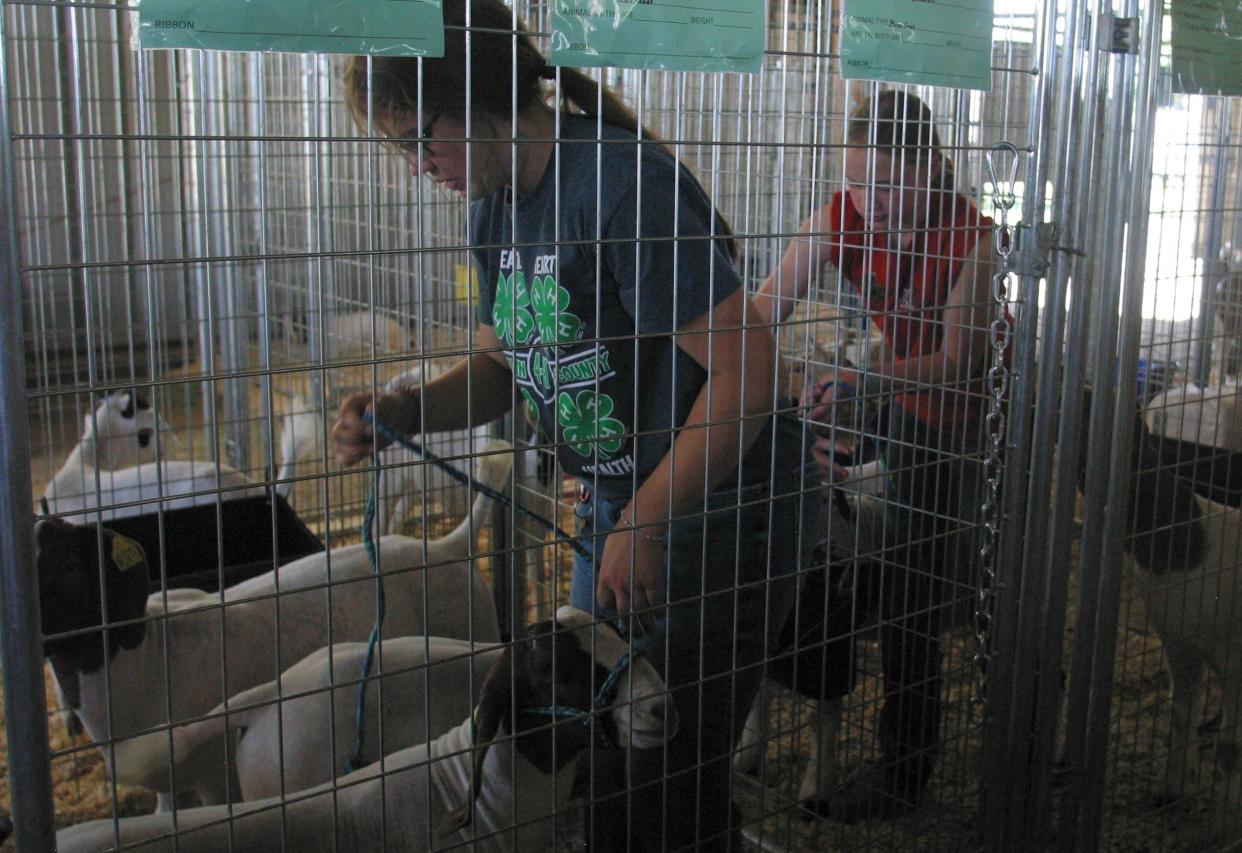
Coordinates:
[352,437]
[826,451]
[820,399]
[626,549]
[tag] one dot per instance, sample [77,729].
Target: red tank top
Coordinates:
[905,292]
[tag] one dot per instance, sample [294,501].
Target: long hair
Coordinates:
[900,125]
[503,63]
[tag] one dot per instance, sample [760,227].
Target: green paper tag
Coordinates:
[1207,47]
[919,41]
[691,35]
[387,27]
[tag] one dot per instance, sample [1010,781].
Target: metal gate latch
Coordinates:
[1119,35]
[1032,246]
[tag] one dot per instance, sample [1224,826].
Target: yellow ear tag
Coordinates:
[126,553]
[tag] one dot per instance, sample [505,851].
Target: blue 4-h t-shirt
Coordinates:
[585,293]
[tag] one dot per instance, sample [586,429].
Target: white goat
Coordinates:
[119,434]
[297,733]
[114,463]
[1208,416]
[354,334]
[271,619]
[1183,551]
[1227,314]
[493,783]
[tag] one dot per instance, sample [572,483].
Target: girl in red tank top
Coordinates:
[919,254]
[906,291]
[921,257]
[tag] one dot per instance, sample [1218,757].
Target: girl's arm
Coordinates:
[476,390]
[800,267]
[726,418]
[964,348]
[740,364]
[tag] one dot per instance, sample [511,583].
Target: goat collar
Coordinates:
[604,697]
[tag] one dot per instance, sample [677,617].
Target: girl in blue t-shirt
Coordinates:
[611,309]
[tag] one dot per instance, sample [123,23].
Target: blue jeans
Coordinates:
[731,577]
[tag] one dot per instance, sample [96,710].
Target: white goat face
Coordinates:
[642,710]
[122,430]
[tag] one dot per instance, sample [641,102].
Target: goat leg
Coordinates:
[748,758]
[823,772]
[1185,667]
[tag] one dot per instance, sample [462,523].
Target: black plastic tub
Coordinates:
[1216,473]
[236,535]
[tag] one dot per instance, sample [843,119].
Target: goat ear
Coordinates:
[58,550]
[127,580]
[51,535]
[68,593]
[494,701]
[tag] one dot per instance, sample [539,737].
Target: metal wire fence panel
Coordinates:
[863,638]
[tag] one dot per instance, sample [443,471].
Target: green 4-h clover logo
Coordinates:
[510,314]
[550,302]
[532,408]
[585,422]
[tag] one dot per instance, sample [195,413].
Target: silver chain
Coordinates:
[997,386]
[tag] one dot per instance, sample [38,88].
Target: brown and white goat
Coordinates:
[494,783]
[1186,556]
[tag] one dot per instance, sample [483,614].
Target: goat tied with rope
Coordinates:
[495,782]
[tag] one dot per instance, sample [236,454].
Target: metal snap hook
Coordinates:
[1004,198]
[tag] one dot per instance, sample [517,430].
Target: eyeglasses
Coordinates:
[412,146]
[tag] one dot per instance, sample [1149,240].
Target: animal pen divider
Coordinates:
[211,230]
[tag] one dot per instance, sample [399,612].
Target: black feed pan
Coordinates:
[236,534]
[1216,474]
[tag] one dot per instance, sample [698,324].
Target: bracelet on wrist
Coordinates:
[640,531]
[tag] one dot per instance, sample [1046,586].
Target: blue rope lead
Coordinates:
[368,541]
[465,479]
[603,699]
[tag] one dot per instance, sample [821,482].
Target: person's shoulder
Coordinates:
[842,205]
[842,217]
[605,165]
[963,226]
[616,151]
[484,215]
[965,211]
